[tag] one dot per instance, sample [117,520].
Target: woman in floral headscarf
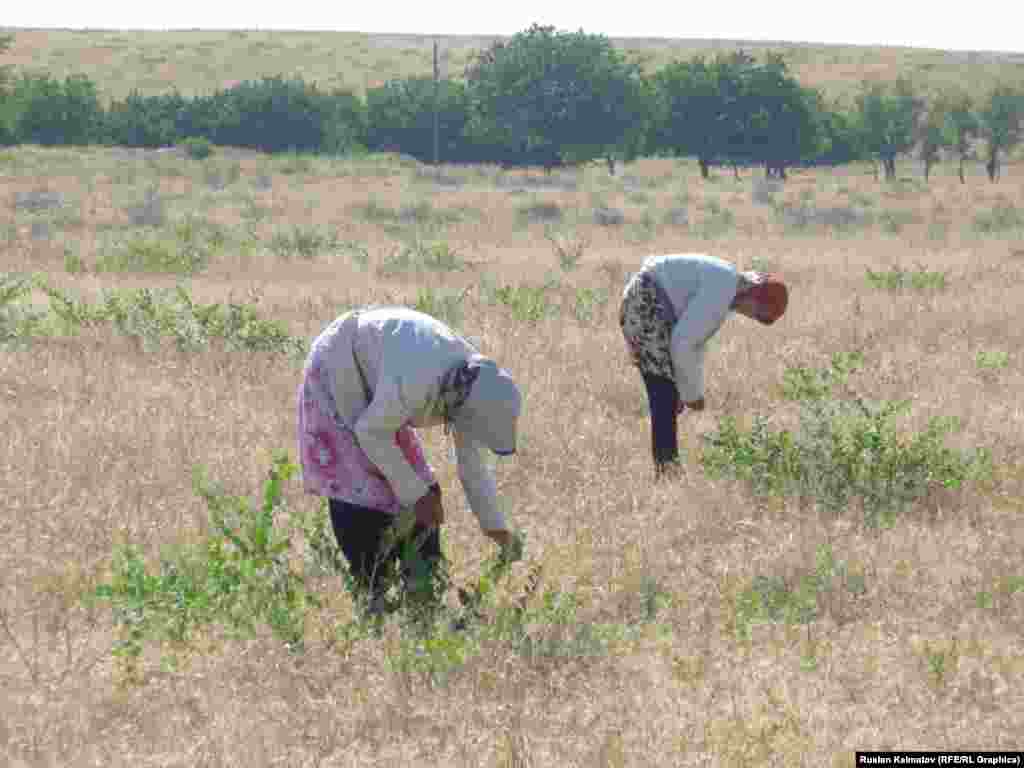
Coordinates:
[669,311]
[372,376]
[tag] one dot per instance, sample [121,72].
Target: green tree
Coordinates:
[1001,121]
[551,98]
[886,116]
[931,134]
[50,112]
[689,110]
[274,115]
[777,119]
[960,126]
[144,121]
[400,115]
[7,112]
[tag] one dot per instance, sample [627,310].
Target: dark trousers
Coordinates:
[362,534]
[663,399]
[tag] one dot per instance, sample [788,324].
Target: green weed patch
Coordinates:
[154,316]
[843,451]
[898,279]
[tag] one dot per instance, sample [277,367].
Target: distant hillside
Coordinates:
[201,61]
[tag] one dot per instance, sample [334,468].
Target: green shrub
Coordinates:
[539,211]
[421,256]
[197,147]
[798,599]
[588,301]
[843,451]
[529,303]
[569,248]
[893,222]
[801,383]
[898,279]
[305,242]
[154,316]
[717,222]
[18,323]
[445,306]
[238,577]
[188,253]
[1003,218]
[50,112]
[993,359]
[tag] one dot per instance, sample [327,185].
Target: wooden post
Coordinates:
[437,86]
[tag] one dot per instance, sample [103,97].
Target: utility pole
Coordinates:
[437,87]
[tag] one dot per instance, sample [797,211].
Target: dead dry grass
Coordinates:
[101,438]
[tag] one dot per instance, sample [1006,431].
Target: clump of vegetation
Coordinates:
[898,279]
[529,303]
[544,212]
[993,359]
[153,316]
[444,305]
[38,200]
[242,576]
[608,217]
[805,219]
[717,221]
[197,147]
[237,577]
[799,599]
[304,242]
[187,252]
[569,248]
[422,216]
[421,256]
[587,304]
[18,322]
[150,212]
[844,451]
[893,221]
[1004,217]
[803,383]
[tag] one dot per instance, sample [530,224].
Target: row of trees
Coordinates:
[545,98]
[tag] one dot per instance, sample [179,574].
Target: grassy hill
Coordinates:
[200,61]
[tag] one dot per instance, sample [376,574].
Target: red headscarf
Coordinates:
[768,291]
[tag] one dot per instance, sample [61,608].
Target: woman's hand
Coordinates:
[512,544]
[696,405]
[499,536]
[429,510]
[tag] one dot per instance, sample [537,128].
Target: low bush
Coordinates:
[844,451]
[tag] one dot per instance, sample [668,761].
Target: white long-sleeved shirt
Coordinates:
[701,289]
[403,354]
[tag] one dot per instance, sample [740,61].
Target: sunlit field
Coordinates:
[197,62]
[720,618]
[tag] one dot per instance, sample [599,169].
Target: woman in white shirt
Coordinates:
[669,311]
[371,377]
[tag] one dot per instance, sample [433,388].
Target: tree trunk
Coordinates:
[962,169]
[611,164]
[992,165]
[927,168]
[736,171]
[705,170]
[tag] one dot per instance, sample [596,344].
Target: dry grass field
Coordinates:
[199,62]
[659,631]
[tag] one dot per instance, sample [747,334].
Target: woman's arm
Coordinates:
[703,316]
[478,483]
[376,428]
